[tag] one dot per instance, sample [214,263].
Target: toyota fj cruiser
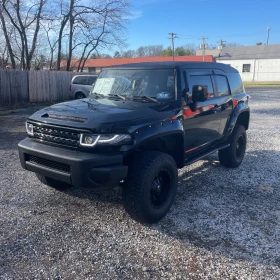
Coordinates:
[140,124]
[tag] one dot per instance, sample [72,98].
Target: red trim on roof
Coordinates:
[103,62]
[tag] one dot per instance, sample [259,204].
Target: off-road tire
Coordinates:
[149,172]
[53,183]
[232,156]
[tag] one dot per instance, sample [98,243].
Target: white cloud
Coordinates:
[135,15]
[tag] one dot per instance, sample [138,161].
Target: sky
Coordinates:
[244,22]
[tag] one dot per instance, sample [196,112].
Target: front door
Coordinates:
[202,125]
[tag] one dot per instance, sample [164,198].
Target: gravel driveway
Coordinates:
[225,224]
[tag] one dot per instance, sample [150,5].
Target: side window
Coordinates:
[81,80]
[235,83]
[222,85]
[246,68]
[204,80]
[91,80]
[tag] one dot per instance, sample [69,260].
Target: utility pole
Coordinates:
[268,30]
[203,46]
[221,42]
[173,36]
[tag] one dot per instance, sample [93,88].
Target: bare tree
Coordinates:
[76,28]
[91,25]
[7,45]
[26,20]
[50,28]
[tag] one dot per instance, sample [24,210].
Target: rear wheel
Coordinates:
[150,187]
[233,155]
[80,95]
[53,183]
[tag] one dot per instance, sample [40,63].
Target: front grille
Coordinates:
[57,135]
[48,163]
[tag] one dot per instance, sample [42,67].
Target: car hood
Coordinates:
[89,113]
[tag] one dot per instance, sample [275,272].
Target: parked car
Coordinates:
[140,124]
[81,85]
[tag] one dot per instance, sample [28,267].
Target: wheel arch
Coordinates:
[243,119]
[172,144]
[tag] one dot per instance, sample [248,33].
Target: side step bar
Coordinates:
[201,155]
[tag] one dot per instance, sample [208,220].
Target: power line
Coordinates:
[173,36]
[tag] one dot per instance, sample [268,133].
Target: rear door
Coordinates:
[202,125]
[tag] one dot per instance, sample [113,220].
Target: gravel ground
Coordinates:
[225,224]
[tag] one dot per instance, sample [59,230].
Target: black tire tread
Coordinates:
[226,156]
[138,172]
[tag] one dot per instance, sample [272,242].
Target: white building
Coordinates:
[254,63]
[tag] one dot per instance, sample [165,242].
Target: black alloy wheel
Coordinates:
[160,188]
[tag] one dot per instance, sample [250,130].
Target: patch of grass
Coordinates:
[262,84]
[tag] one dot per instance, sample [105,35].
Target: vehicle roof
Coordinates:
[192,65]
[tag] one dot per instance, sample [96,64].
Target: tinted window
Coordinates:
[81,80]
[222,85]
[202,81]
[91,80]
[235,83]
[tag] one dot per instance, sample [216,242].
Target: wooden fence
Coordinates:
[33,86]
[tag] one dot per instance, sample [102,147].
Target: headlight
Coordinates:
[92,140]
[29,128]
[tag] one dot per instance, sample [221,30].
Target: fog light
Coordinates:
[29,129]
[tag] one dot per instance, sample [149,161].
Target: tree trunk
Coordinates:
[71,32]
[37,28]
[63,23]
[10,50]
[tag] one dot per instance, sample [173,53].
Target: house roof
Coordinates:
[250,52]
[105,62]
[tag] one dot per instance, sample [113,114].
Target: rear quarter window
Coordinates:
[222,85]
[91,80]
[235,83]
[81,80]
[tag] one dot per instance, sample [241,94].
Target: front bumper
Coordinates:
[73,167]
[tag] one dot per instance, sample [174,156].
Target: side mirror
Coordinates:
[199,93]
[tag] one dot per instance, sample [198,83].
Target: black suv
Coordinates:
[140,124]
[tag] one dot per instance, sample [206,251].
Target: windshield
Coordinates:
[135,82]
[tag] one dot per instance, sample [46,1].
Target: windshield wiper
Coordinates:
[117,95]
[100,95]
[145,97]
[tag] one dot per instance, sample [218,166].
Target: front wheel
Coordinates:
[150,187]
[233,155]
